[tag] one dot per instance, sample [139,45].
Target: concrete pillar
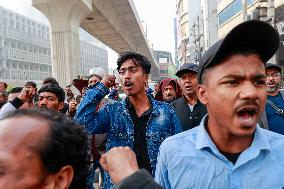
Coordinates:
[244,2]
[65,17]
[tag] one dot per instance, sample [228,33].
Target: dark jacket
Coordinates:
[139,180]
[263,123]
[187,118]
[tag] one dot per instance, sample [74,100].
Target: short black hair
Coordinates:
[16,90]
[50,80]
[31,83]
[55,89]
[67,143]
[137,58]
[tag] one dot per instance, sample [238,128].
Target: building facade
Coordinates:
[25,50]
[210,32]
[166,65]
[233,12]
[190,28]
[92,53]
[182,19]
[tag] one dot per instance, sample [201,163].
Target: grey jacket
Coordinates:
[263,120]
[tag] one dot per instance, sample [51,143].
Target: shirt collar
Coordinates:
[129,106]
[203,140]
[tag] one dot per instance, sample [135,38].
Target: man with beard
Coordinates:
[273,116]
[51,96]
[228,149]
[138,121]
[168,90]
[190,110]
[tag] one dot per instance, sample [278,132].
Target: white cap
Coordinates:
[97,71]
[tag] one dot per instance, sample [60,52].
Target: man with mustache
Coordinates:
[273,116]
[168,90]
[138,121]
[51,96]
[228,149]
[190,110]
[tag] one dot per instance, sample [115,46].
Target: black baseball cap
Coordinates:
[275,66]
[187,68]
[250,35]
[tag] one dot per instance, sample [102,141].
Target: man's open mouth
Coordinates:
[128,84]
[246,113]
[43,107]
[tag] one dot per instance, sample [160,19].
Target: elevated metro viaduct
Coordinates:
[116,23]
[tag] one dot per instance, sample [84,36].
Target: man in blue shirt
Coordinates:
[228,149]
[273,116]
[138,121]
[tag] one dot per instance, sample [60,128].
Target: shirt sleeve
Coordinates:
[6,108]
[95,122]
[161,174]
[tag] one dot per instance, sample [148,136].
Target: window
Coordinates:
[231,10]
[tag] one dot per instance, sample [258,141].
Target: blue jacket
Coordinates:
[115,121]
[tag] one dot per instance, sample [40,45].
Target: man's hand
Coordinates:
[109,81]
[119,162]
[72,105]
[27,94]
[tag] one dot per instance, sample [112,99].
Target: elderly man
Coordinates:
[190,110]
[138,121]
[273,116]
[228,149]
[42,150]
[168,90]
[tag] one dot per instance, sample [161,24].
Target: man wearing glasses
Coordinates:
[273,117]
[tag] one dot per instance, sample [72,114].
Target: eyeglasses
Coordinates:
[273,75]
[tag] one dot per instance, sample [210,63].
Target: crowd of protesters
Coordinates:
[210,128]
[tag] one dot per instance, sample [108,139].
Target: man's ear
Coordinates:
[146,77]
[202,94]
[60,105]
[63,178]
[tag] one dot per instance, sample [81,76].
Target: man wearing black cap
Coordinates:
[188,108]
[273,116]
[228,149]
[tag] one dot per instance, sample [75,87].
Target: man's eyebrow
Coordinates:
[259,76]
[128,67]
[236,76]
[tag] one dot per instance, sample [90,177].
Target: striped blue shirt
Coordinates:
[191,160]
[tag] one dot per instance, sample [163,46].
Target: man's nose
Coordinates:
[249,91]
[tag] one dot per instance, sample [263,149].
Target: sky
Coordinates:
[157,16]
